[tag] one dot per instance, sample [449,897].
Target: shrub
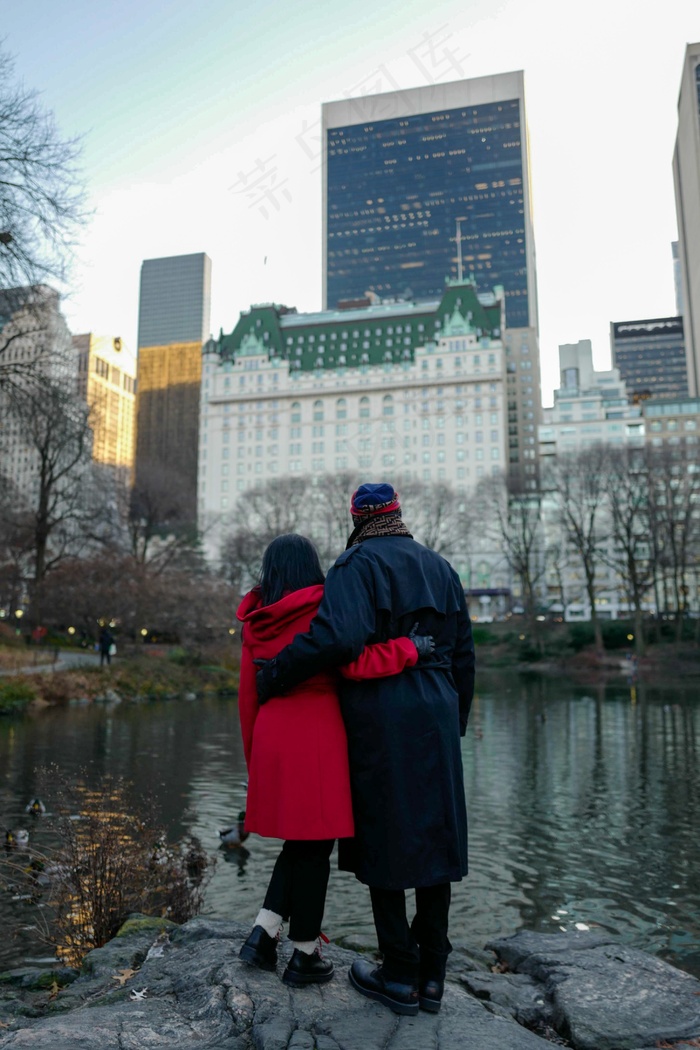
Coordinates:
[615,634]
[581,635]
[184,658]
[482,635]
[15,695]
[112,860]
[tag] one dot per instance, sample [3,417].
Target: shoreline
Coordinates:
[161,985]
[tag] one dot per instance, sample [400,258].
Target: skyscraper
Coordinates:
[686,176]
[106,370]
[650,355]
[173,324]
[402,169]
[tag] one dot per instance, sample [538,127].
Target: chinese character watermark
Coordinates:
[262,187]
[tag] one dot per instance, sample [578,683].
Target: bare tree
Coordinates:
[41,190]
[577,482]
[329,522]
[262,513]
[515,516]
[319,508]
[673,497]
[156,513]
[438,517]
[55,431]
[630,551]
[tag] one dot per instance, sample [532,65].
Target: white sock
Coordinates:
[307,947]
[270,921]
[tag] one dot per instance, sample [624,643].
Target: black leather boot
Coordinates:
[369,980]
[307,969]
[430,995]
[431,985]
[260,950]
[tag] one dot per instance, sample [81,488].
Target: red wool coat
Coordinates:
[295,745]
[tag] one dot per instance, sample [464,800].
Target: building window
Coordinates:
[296,412]
[387,405]
[341,408]
[364,408]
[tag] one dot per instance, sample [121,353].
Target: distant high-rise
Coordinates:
[650,355]
[686,175]
[174,309]
[402,169]
[677,279]
[106,381]
[174,300]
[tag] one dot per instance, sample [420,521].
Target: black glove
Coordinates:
[424,643]
[266,679]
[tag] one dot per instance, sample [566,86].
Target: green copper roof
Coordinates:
[372,335]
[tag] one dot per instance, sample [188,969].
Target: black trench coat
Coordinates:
[403,731]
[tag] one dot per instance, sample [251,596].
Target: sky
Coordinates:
[183,108]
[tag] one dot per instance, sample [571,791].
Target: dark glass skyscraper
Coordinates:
[650,355]
[401,169]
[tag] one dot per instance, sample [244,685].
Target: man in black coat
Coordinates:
[403,739]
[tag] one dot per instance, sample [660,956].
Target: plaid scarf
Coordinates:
[379,525]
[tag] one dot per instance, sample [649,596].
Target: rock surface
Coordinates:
[184,988]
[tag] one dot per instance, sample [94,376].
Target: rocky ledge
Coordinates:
[184,988]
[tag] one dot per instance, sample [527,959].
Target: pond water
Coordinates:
[584,808]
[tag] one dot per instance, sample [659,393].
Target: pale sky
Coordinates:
[184,106]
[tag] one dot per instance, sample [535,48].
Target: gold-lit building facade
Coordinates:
[174,306]
[107,382]
[168,417]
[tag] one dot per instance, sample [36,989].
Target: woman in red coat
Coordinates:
[296,751]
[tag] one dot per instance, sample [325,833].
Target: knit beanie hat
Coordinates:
[370,499]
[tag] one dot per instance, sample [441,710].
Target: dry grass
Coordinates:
[112,860]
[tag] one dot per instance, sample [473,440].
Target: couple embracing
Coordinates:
[354,693]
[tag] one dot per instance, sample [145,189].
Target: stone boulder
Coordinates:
[595,992]
[184,988]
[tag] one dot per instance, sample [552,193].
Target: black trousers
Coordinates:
[419,951]
[297,889]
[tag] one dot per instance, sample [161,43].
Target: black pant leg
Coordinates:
[396,941]
[297,889]
[278,896]
[429,928]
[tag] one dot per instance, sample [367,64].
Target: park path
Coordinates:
[64,660]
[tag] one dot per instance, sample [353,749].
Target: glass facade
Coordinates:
[174,300]
[396,189]
[651,357]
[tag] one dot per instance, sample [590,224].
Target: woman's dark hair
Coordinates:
[289,563]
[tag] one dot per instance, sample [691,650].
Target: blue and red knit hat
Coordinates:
[369,500]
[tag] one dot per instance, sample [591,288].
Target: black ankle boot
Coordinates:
[399,996]
[430,995]
[307,969]
[260,950]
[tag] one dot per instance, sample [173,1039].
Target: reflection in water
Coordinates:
[583,804]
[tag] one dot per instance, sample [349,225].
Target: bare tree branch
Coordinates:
[42,200]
